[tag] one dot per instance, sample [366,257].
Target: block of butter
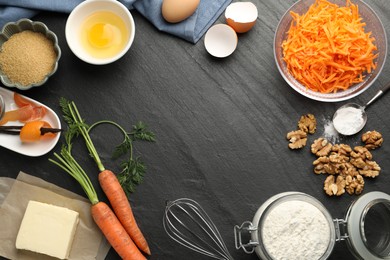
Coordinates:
[47,229]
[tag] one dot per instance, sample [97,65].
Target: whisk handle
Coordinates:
[248,227]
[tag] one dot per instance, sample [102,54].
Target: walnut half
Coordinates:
[370,169]
[308,123]
[354,184]
[297,139]
[372,139]
[322,165]
[321,147]
[334,186]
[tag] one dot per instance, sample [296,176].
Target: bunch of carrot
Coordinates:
[101,213]
[120,228]
[327,48]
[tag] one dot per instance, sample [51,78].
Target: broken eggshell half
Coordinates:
[220,40]
[241,16]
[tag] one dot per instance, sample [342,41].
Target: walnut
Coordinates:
[308,124]
[343,149]
[321,147]
[334,187]
[361,152]
[338,162]
[371,169]
[297,139]
[354,184]
[321,165]
[369,173]
[348,169]
[338,158]
[358,162]
[372,139]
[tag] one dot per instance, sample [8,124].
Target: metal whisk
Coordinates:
[186,222]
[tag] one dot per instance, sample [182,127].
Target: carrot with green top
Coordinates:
[107,179]
[101,213]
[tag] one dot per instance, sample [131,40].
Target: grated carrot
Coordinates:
[327,49]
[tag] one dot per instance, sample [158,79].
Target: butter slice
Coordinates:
[47,229]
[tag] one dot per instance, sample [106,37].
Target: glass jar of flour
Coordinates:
[294,225]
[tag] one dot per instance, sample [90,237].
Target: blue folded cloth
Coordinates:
[191,29]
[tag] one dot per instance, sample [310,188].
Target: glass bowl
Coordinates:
[373,25]
[12,28]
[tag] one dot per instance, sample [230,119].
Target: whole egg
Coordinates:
[175,11]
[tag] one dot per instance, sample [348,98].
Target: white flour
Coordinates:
[296,230]
[330,133]
[348,120]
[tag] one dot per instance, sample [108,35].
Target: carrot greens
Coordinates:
[77,126]
[133,169]
[66,162]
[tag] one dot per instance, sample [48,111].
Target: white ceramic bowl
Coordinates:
[373,24]
[78,16]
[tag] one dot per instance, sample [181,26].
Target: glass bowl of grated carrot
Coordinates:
[330,50]
[29,54]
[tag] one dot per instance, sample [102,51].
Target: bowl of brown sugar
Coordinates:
[29,54]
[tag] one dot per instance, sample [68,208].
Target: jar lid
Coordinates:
[368,226]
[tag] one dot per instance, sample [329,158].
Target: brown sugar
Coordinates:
[27,57]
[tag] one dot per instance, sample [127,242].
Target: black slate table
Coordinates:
[220,124]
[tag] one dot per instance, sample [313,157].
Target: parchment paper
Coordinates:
[89,243]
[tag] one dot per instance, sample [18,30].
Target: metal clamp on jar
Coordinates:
[293,224]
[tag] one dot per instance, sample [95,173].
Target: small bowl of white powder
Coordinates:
[292,225]
[349,119]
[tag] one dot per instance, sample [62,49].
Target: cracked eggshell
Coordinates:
[220,40]
[175,11]
[241,16]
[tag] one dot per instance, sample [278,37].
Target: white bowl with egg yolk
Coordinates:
[100,31]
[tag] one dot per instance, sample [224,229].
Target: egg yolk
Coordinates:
[101,35]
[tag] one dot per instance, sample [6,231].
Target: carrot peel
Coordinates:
[21,114]
[27,111]
[31,131]
[21,101]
